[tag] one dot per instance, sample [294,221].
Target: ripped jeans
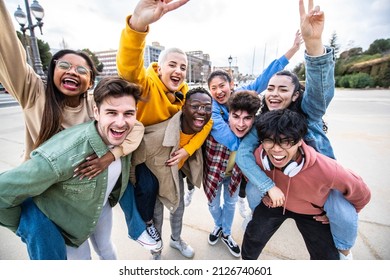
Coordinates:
[223,214]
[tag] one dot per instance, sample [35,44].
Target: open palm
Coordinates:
[149,11]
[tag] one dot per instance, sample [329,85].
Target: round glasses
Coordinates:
[64,65]
[198,107]
[285,143]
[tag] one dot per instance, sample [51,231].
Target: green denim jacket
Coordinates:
[72,204]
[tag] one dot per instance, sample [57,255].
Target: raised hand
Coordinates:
[295,47]
[149,11]
[312,26]
[297,40]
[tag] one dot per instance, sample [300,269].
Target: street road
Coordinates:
[6,100]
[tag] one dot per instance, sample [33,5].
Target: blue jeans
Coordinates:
[223,214]
[343,218]
[253,195]
[145,191]
[44,239]
[134,221]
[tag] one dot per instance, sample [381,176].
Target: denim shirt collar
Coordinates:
[223,110]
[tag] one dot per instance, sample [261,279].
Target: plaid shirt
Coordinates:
[216,159]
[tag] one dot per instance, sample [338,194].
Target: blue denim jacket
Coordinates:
[320,86]
[72,204]
[220,114]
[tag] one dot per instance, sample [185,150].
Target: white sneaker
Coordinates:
[185,249]
[188,197]
[148,242]
[242,207]
[348,257]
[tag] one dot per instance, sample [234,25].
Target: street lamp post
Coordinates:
[230,59]
[22,19]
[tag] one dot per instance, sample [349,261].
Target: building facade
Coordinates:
[199,64]
[108,58]
[199,67]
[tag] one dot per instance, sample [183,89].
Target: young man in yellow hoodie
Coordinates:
[164,93]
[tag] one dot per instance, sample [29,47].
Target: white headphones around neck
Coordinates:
[291,169]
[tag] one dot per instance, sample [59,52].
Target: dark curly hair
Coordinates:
[245,100]
[281,122]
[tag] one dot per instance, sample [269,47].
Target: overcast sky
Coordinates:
[253,32]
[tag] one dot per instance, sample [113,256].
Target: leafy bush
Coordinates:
[361,80]
[357,80]
[342,81]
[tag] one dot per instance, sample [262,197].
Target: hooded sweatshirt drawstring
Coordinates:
[285,201]
[288,189]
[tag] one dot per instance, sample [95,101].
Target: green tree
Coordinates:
[379,46]
[44,52]
[333,43]
[43,49]
[299,70]
[99,66]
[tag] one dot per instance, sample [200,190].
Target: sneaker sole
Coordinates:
[213,242]
[155,247]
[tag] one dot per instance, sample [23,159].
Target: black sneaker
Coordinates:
[232,245]
[153,232]
[214,235]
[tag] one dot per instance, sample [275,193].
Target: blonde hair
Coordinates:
[163,55]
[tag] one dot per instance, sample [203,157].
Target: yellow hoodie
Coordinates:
[157,107]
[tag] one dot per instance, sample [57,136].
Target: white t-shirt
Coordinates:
[114,171]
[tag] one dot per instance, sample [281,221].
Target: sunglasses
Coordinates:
[64,65]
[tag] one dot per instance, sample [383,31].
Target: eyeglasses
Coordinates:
[64,65]
[197,107]
[285,143]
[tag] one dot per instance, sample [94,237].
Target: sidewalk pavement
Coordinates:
[360,133]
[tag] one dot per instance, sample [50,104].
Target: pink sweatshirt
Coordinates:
[309,189]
